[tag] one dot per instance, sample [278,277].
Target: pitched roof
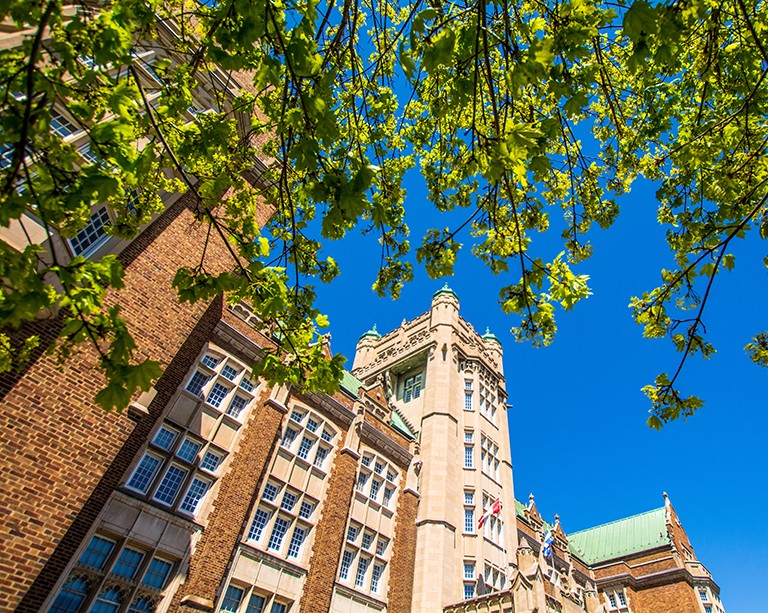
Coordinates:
[621,537]
[352,384]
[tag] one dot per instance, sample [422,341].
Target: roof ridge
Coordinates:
[615,521]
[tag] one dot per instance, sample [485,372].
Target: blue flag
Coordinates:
[548,540]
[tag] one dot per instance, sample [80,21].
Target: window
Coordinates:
[346,563]
[90,586]
[165,438]
[707,608]
[246,384]
[188,450]
[375,577]
[144,473]
[468,404]
[362,479]
[469,521]
[320,455]
[278,532]
[381,546]
[305,511]
[229,373]
[352,534]
[469,570]
[469,497]
[296,541]
[289,500]
[255,604]
[362,568]
[97,552]
[211,461]
[304,448]
[312,425]
[232,599]
[157,573]
[85,152]
[469,456]
[367,540]
[288,437]
[412,387]
[257,527]
[237,405]
[297,416]
[210,361]
[469,591]
[387,498]
[703,595]
[107,601]
[469,436]
[196,383]
[61,125]
[270,491]
[128,563]
[170,485]
[375,486]
[93,234]
[217,394]
[195,493]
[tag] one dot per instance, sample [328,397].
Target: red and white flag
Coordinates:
[495,509]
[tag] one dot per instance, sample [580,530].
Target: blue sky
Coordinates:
[577,426]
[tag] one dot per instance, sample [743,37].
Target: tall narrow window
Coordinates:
[170,485]
[412,387]
[232,599]
[144,473]
[93,234]
[346,563]
[469,456]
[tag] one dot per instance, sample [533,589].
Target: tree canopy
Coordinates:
[524,116]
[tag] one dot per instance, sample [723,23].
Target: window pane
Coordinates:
[141,605]
[277,608]
[144,473]
[270,492]
[289,437]
[164,438]
[296,541]
[229,373]
[320,456]
[96,553]
[346,563]
[194,495]
[92,234]
[257,527]
[236,407]
[70,597]
[128,563]
[210,461]
[188,450]
[210,361]
[157,573]
[255,604]
[197,382]
[288,501]
[362,567]
[232,599]
[306,445]
[217,395]
[170,485]
[278,532]
[306,509]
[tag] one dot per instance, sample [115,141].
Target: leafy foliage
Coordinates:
[528,116]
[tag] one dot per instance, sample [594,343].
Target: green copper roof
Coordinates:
[490,336]
[350,383]
[399,424]
[372,333]
[445,290]
[621,537]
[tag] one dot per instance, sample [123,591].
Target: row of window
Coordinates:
[245,600]
[142,573]
[224,384]
[309,438]
[367,574]
[377,480]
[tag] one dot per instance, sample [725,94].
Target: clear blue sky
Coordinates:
[577,426]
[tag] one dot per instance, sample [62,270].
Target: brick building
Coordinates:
[218,492]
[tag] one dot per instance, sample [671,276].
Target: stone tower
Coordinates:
[447,380]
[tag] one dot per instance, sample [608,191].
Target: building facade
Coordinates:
[219,492]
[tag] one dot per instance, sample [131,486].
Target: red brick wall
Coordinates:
[402,564]
[210,561]
[62,455]
[672,598]
[330,534]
